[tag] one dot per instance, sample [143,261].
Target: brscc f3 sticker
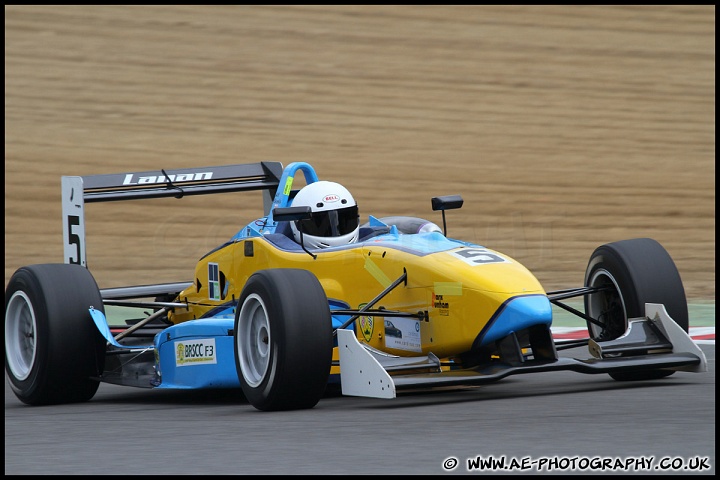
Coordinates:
[195,352]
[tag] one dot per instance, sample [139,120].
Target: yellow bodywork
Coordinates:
[459,296]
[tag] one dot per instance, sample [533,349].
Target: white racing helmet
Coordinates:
[335,220]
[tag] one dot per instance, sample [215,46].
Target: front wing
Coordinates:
[651,343]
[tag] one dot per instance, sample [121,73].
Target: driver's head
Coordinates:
[335,220]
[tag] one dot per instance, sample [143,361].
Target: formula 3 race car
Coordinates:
[402,306]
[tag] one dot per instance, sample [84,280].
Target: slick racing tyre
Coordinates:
[283,340]
[632,273]
[53,351]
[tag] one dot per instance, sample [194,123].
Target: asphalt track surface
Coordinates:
[559,417]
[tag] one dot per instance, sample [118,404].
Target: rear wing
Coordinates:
[77,191]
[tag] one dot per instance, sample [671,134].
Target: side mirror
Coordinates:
[447,202]
[290,214]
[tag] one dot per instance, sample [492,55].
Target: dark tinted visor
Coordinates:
[331,223]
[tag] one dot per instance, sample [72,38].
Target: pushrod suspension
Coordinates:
[402,278]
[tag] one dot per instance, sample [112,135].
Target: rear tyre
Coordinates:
[632,272]
[53,352]
[283,340]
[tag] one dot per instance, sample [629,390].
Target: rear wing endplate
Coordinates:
[77,191]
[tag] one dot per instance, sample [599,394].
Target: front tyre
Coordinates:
[283,339]
[632,273]
[53,351]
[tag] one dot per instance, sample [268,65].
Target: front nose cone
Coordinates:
[517,314]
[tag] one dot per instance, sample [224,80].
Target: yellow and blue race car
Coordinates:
[305,297]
